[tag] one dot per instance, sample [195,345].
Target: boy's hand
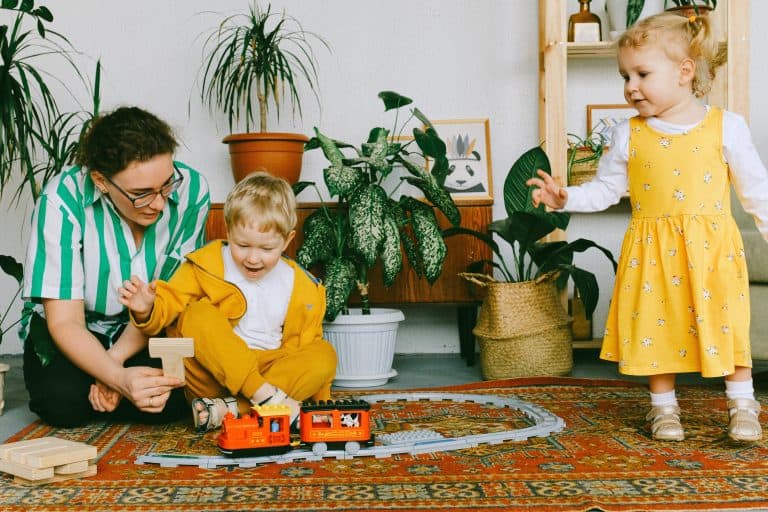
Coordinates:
[547,191]
[138,296]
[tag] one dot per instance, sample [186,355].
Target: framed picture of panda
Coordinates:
[468,142]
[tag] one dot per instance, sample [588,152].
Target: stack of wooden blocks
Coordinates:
[47,459]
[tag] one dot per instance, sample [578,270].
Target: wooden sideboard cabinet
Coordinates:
[408,288]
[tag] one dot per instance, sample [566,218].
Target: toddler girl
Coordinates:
[681,297]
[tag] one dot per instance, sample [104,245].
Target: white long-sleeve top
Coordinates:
[748,174]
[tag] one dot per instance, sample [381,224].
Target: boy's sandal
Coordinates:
[213,421]
[745,423]
[665,423]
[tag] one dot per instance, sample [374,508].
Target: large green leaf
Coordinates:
[634,8]
[431,246]
[320,240]
[393,100]
[376,151]
[339,282]
[366,214]
[13,268]
[432,190]
[341,180]
[517,195]
[391,255]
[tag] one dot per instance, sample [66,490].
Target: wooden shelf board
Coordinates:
[601,49]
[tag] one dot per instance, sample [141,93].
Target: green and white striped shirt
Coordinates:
[80,248]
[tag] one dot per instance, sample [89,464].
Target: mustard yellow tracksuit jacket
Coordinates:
[197,302]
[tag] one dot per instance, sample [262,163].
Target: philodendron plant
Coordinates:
[370,224]
[524,229]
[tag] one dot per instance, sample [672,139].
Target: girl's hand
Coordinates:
[547,191]
[138,296]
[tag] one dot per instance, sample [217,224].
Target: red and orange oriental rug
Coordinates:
[604,459]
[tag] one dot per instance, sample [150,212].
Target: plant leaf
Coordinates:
[634,8]
[13,268]
[431,246]
[393,100]
[339,282]
[391,254]
[366,214]
[319,239]
[518,195]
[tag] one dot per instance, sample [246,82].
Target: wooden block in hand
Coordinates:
[172,352]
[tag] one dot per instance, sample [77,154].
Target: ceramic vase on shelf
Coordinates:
[365,346]
[617,14]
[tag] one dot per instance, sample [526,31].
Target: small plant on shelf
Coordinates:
[583,156]
[369,224]
[709,5]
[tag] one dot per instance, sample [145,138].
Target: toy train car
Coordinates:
[343,424]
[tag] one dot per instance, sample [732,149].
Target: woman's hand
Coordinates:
[103,398]
[147,388]
[138,296]
[547,191]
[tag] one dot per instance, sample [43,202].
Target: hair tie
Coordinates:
[692,19]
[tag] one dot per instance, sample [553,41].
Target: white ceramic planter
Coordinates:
[3,368]
[365,346]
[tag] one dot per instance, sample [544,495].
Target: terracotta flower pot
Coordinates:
[277,153]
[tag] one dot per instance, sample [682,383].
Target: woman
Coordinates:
[125,208]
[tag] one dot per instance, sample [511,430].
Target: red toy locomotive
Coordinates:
[342,424]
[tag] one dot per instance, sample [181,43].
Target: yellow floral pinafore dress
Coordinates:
[681,298]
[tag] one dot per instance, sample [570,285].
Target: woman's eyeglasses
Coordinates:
[145,199]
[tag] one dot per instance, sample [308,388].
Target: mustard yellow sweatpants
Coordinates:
[225,366]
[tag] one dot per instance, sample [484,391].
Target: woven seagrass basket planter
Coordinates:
[522,329]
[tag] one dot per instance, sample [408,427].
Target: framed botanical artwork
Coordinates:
[602,118]
[468,144]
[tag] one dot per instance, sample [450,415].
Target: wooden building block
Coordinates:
[91,471]
[47,452]
[172,352]
[72,468]
[24,471]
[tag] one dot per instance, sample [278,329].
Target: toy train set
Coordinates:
[342,429]
[343,424]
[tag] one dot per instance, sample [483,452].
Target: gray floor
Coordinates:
[414,371]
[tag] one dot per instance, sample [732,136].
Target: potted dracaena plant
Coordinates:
[254,61]
[522,328]
[36,138]
[369,224]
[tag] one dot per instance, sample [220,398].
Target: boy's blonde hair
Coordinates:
[681,37]
[263,200]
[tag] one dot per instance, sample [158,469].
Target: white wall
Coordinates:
[455,58]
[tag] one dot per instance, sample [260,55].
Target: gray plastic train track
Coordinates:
[407,441]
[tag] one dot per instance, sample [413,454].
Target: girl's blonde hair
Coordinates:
[680,37]
[263,200]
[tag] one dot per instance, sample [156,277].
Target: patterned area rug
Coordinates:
[604,459]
